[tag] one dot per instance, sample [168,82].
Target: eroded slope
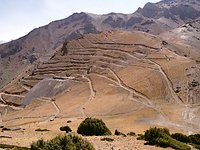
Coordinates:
[131,80]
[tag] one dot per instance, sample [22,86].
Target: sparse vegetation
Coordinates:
[131,134]
[6,129]
[41,130]
[69,142]
[69,121]
[92,126]
[66,129]
[107,139]
[140,137]
[13,147]
[161,137]
[119,133]
[195,139]
[181,137]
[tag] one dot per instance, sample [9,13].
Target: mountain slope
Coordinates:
[42,42]
[132,80]
[187,35]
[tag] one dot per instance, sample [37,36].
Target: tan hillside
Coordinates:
[41,43]
[132,80]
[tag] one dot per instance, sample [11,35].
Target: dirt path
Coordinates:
[4,104]
[133,92]
[1,99]
[25,87]
[92,96]
[14,95]
[1,118]
[169,84]
[92,91]
[56,107]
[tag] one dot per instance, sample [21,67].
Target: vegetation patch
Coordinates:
[92,126]
[107,139]
[140,137]
[161,137]
[118,133]
[181,137]
[69,142]
[6,129]
[41,130]
[66,129]
[131,134]
[13,147]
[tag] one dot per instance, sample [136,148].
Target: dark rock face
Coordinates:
[132,21]
[114,23]
[13,48]
[185,12]
[150,10]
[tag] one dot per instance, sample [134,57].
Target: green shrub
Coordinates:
[140,137]
[119,133]
[92,126]
[161,137]
[69,142]
[41,130]
[13,147]
[181,137]
[66,129]
[196,146]
[195,139]
[168,141]
[107,139]
[6,129]
[153,133]
[131,134]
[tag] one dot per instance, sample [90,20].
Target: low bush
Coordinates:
[140,137]
[6,129]
[161,137]
[69,121]
[119,133]
[69,142]
[66,129]
[131,134]
[195,139]
[181,137]
[13,147]
[152,134]
[41,130]
[196,146]
[107,139]
[92,126]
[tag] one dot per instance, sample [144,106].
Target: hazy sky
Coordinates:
[18,17]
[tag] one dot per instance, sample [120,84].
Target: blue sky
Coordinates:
[18,17]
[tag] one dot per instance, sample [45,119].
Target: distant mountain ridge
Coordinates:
[42,42]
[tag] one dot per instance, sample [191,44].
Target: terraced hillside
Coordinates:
[132,80]
[41,43]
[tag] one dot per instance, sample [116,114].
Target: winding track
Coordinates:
[169,84]
[92,96]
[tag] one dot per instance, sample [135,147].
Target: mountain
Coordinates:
[131,80]
[187,35]
[101,66]
[41,43]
